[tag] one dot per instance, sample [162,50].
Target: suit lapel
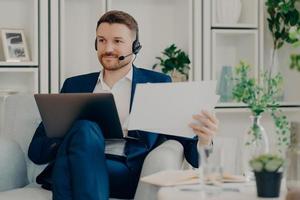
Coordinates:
[91,82]
[137,77]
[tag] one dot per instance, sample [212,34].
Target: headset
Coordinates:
[136,46]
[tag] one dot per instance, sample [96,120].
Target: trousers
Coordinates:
[82,171]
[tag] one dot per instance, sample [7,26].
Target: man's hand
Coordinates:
[207,127]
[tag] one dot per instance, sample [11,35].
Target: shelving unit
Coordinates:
[248,18]
[22,80]
[231,46]
[17,64]
[23,76]
[22,14]
[226,44]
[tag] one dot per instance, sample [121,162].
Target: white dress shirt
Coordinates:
[121,91]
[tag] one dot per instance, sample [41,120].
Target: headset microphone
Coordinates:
[123,57]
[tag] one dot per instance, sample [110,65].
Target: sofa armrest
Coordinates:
[169,155]
[13,171]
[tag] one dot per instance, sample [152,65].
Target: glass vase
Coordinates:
[225,84]
[255,143]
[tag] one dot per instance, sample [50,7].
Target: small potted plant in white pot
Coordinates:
[175,63]
[268,170]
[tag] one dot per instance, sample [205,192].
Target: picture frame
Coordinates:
[14,45]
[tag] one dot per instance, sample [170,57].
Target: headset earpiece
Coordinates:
[136,47]
[96,44]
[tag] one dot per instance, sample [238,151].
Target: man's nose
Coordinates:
[108,47]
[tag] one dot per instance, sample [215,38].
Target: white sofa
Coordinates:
[18,173]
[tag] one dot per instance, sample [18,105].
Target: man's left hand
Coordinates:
[207,127]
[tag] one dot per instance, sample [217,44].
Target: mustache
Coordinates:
[109,54]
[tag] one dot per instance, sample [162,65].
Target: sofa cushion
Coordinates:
[21,120]
[12,165]
[29,192]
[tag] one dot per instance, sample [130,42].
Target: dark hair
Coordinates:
[120,17]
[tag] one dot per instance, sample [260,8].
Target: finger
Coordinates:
[211,116]
[202,129]
[200,133]
[206,122]
[204,139]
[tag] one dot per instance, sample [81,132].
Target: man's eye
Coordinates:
[118,41]
[100,40]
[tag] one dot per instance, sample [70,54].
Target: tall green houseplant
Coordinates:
[282,17]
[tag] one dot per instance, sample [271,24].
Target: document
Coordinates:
[168,108]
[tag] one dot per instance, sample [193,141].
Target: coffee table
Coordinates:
[228,191]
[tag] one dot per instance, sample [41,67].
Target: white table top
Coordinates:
[228,191]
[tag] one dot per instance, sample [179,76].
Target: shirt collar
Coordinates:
[128,76]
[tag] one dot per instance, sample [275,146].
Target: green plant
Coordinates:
[261,97]
[266,162]
[173,59]
[282,17]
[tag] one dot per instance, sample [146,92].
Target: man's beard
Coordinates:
[116,66]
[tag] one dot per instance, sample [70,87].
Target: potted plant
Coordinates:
[259,96]
[268,173]
[175,62]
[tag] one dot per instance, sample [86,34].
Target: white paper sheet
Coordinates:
[168,107]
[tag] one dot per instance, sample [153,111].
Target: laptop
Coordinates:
[60,111]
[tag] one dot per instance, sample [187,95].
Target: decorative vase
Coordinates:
[256,143]
[228,11]
[268,184]
[225,84]
[293,158]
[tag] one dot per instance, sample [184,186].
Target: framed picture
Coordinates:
[14,45]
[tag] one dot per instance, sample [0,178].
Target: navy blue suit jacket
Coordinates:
[43,149]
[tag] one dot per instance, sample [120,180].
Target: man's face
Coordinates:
[113,41]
